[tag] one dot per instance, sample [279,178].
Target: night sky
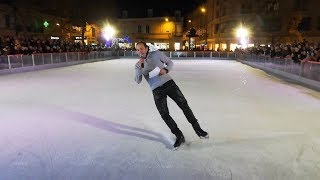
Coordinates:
[160,7]
[96,9]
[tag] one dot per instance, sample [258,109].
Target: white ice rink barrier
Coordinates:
[307,73]
[23,63]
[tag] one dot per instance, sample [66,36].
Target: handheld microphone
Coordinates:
[143,57]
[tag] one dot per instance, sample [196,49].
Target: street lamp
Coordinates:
[203,11]
[108,32]
[242,34]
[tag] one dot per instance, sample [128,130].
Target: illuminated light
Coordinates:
[176,46]
[243,35]
[108,32]
[45,24]
[242,32]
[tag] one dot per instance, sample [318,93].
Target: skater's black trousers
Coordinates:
[160,97]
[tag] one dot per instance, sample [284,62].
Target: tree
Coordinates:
[293,28]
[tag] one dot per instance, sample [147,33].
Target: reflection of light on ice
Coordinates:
[243,78]
[244,81]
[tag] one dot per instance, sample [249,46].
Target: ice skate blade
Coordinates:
[204,137]
[176,148]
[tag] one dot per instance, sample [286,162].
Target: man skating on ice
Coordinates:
[155,66]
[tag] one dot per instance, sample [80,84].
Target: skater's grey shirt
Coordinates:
[155,58]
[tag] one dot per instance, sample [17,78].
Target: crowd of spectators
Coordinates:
[297,51]
[31,45]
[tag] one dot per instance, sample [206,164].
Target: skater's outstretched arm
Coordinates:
[138,73]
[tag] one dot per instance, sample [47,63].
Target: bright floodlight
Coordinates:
[203,10]
[244,41]
[242,32]
[108,32]
[243,36]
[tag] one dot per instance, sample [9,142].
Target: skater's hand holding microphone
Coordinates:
[141,63]
[141,60]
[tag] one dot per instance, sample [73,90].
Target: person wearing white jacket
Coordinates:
[155,67]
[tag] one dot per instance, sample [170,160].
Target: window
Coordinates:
[305,24]
[139,28]
[177,15]
[216,28]
[7,19]
[147,29]
[242,10]
[124,14]
[150,12]
[93,32]
[224,11]
[223,27]
[300,5]
[297,4]
[272,24]
[76,28]
[245,8]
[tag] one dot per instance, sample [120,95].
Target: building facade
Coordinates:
[18,21]
[268,22]
[7,20]
[15,21]
[163,32]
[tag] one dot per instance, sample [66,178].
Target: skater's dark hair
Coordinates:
[144,44]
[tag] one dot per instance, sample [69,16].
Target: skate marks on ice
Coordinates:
[199,162]
[114,127]
[275,155]
[242,81]
[33,158]
[188,165]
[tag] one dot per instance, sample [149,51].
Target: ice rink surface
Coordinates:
[92,121]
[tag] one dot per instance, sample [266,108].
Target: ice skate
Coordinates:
[201,133]
[179,141]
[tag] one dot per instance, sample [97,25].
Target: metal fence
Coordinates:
[18,61]
[186,54]
[310,70]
